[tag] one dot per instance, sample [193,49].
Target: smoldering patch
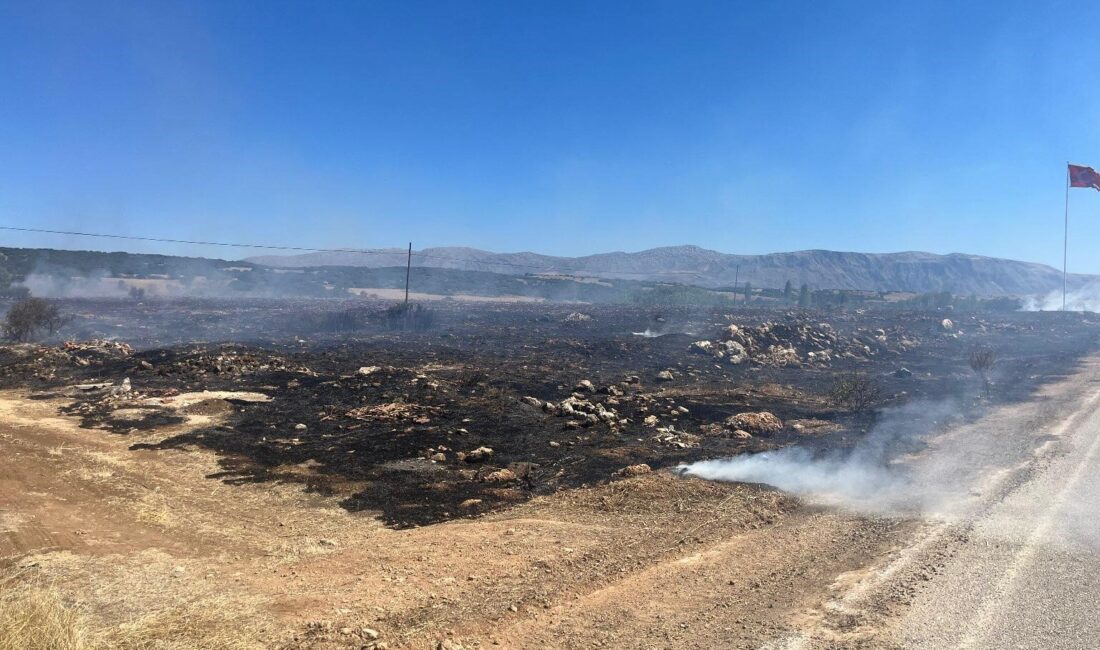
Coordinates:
[833,479]
[876,475]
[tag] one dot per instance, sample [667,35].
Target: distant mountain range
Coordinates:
[820,269]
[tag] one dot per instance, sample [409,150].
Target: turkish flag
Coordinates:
[1083,177]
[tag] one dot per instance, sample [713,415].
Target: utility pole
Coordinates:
[736,274]
[408,270]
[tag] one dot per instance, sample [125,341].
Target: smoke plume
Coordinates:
[874,475]
[1086,298]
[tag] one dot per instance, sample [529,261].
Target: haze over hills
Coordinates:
[820,269]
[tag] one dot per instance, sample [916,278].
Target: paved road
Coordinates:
[1028,573]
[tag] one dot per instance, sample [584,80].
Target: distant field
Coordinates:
[399,294]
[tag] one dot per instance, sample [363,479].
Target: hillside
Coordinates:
[64,273]
[907,271]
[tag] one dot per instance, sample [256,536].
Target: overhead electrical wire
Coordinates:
[308,249]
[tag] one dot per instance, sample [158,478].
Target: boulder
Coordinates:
[500,476]
[702,347]
[758,423]
[735,352]
[124,387]
[633,470]
[477,455]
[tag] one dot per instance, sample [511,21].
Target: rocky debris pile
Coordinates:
[590,413]
[760,423]
[394,412]
[729,350]
[798,342]
[577,317]
[80,353]
[230,362]
[787,343]
[884,341]
[720,430]
[100,348]
[475,455]
[583,408]
[670,437]
[487,472]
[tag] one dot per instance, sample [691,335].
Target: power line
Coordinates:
[195,242]
[307,249]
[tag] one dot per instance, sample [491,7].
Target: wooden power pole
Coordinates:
[408,270]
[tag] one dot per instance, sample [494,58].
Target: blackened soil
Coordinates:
[391,441]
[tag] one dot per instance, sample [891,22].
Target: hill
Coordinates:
[820,269]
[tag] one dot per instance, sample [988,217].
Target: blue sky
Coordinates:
[558,127]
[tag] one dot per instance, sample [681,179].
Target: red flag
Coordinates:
[1083,177]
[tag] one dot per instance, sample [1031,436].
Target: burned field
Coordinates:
[488,406]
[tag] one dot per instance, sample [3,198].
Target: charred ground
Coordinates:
[470,415]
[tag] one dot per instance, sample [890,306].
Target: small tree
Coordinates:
[406,316]
[27,317]
[981,361]
[748,291]
[788,291]
[804,296]
[855,391]
[5,275]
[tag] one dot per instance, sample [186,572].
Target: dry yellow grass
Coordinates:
[34,617]
[212,624]
[153,508]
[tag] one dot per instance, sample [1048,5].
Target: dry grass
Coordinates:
[153,508]
[213,624]
[34,617]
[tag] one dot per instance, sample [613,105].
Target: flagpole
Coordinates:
[1065,243]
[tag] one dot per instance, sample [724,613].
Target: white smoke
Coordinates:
[97,284]
[796,470]
[1086,298]
[872,476]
